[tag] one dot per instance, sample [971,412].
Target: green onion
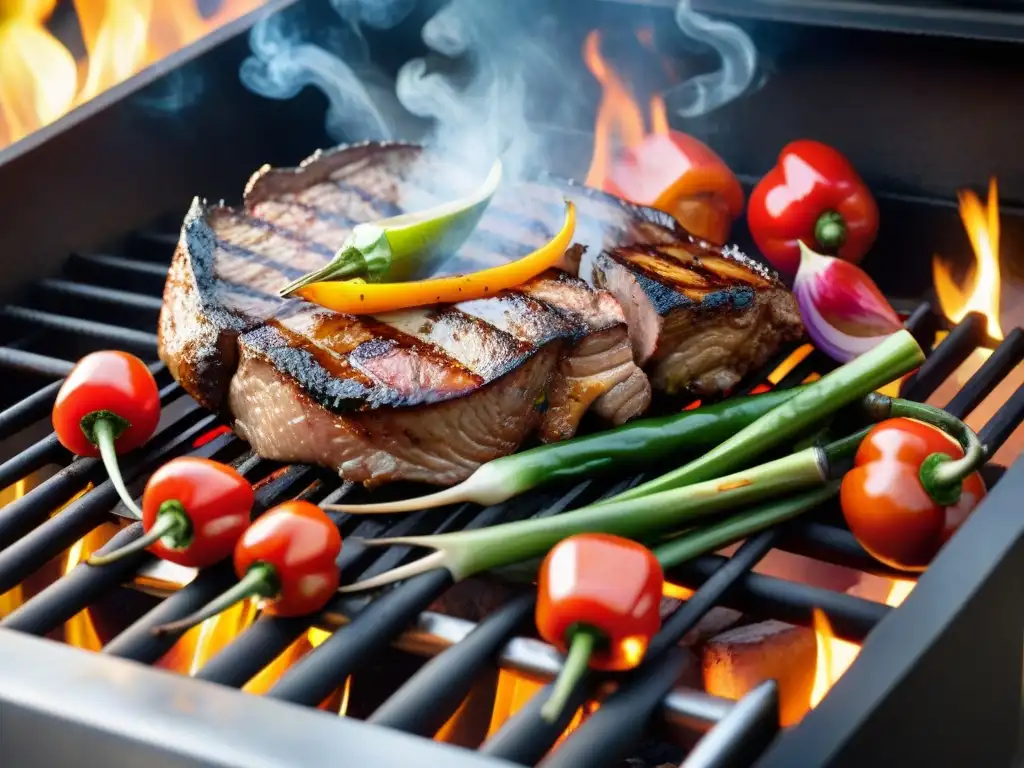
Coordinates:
[895,356]
[665,505]
[464,553]
[642,443]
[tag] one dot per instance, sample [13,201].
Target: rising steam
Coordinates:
[709,91]
[282,65]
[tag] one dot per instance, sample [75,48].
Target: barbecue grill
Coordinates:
[937,682]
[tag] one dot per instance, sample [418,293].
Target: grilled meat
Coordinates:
[700,318]
[426,394]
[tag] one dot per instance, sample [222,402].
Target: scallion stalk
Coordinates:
[464,553]
[895,356]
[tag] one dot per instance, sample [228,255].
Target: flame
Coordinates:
[981,292]
[834,655]
[513,691]
[620,122]
[40,79]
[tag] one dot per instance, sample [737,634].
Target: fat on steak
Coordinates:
[424,394]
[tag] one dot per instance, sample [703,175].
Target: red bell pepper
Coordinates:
[599,596]
[813,194]
[682,176]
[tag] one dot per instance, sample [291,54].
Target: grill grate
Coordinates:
[73,313]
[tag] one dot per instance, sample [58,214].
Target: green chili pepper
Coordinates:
[639,443]
[405,247]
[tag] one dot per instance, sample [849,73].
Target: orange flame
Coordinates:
[834,655]
[981,292]
[39,78]
[620,123]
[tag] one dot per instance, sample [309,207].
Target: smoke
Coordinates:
[282,64]
[480,110]
[707,92]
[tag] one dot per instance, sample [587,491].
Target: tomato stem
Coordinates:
[830,230]
[261,580]
[105,431]
[171,524]
[574,669]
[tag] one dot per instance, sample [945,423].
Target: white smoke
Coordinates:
[707,92]
[282,64]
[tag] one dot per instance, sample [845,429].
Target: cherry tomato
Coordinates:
[103,383]
[208,505]
[301,544]
[886,506]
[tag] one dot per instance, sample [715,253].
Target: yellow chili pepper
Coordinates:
[357,297]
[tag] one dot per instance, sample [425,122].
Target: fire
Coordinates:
[834,656]
[620,122]
[982,290]
[39,78]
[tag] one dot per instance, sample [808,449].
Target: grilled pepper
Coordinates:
[358,297]
[599,596]
[682,176]
[406,247]
[812,195]
[912,485]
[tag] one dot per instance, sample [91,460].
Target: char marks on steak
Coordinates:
[424,394]
[700,317]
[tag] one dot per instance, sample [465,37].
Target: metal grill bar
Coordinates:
[31,362]
[125,338]
[28,411]
[743,734]
[967,336]
[1006,357]
[66,290]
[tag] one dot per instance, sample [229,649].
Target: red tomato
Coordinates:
[605,583]
[211,503]
[107,382]
[884,503]
[301,543]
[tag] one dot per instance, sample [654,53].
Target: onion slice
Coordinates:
[844,312]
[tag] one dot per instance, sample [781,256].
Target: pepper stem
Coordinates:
[104,432]
[366,254]
[830,230]
[581,647]
[942,476]
[261,580]
[171,521]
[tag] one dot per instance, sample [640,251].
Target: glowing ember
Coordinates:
[981,293]
[39,77]
[834,655]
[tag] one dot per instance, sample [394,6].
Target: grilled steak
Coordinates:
[426,394]
[700,318]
